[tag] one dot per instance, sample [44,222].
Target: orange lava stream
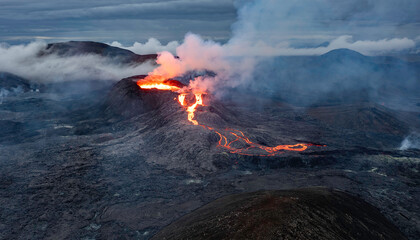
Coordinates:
[157,82]
[269,151]
[191,109]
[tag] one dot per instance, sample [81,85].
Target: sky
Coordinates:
[106,21]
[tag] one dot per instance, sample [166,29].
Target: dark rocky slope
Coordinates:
[313,213]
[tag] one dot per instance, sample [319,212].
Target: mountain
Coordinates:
[362,117]
[73,48]
[342,54]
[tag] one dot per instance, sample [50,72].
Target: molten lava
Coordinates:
[160,86]
[267,151]
[191,109]
[159,82]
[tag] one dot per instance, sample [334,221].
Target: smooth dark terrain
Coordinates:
[289,214]
[107,160]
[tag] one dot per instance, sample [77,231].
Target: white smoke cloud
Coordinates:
[23,60]
[367,47]
[152,46]
[411,141]
[260,32]
[198,54]
[235,61]
[273,28]
[272,21]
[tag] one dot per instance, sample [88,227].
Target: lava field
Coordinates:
[115,161]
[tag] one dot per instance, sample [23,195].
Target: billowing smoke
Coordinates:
[267,30]
[411,141]
[235,64]
[25,61]
[195,54]
[307,27]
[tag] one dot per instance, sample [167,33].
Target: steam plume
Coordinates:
[266,29]
[24,60]
[411,141]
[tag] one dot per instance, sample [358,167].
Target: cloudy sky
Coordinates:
[125,21]
[280,23]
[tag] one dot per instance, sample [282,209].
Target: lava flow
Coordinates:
[269,151]
[158,82]
[191,109]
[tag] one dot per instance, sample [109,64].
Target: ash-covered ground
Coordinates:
[112,161]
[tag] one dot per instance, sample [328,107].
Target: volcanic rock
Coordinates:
[127,99]
[362,117]
[312,213]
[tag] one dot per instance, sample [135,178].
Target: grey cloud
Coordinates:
[181,9]
[299,23]
[124,21]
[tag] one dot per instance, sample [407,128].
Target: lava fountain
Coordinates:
[158,82]
[225,135]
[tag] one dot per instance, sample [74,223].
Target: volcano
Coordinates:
[212,126]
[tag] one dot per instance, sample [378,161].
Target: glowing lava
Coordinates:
[160,86]
[158,82]
[191,109]
[181,99]
[269,151]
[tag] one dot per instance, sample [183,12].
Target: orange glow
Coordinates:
[191,109]
[181,99]
[156,82]
[267,151]
[243,145]
[160,86]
